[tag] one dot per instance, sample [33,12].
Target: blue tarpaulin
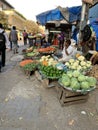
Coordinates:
[74,13]
[55,14]
[51,15]
[93,13]
[94,24]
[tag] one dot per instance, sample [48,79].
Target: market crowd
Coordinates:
[68,46]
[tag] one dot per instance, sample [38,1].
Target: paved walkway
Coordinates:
[26,105]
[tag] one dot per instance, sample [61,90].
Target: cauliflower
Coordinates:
[49,63]
[51,59]
[88,65]
[84,67]
[89,62]
[70,67]
[82,63]
[79,68]
[48,56]
[71,60]
[73,67]
[77,61]
[81,58]
[41,60]
[75,64]
[43,57]
[67,64]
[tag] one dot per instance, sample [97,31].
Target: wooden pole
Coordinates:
[83,22]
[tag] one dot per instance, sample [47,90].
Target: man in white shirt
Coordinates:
[67,51]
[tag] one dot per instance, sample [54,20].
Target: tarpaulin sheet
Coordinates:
[94,24]
[74,14]
[93,13]
[49,16]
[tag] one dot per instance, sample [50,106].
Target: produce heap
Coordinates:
[47,50]
[28,64]
[31,52]
[94,71]
[48,67]
[75,80]
[80,63]
[69,75]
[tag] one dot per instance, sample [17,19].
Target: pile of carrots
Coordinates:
[48,49]
[25,62]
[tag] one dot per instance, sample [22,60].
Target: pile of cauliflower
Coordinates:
[49,60]
[79,64]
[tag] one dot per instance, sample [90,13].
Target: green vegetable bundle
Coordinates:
[30,66]
[51,72]
[74,80]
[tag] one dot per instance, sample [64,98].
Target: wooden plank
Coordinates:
[67,97]
[38,75]
[72,102]
[47,83]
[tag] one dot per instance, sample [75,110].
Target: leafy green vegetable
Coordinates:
[92,81]
[81,78]
[85,85]
[66,82]
[76,73]
[75,85]
[70,74]
[51,71]
[30,66]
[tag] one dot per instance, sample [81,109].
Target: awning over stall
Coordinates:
[69,14]
[50,15]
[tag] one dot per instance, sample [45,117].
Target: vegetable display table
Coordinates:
[67,97]
[47,83]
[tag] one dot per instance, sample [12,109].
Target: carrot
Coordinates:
[25,62]
[46,49]
[45,63]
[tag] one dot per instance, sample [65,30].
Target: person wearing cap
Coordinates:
[67,51]
[7,46]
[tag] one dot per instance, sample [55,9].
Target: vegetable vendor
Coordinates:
[68,51]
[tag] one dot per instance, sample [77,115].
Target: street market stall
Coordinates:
[73,80]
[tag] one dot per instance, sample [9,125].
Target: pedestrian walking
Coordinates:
[10,42]
[25,37]
[30,39]
[14,38]
[4,44]
[61,40]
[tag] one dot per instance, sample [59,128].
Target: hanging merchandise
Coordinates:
[86,33]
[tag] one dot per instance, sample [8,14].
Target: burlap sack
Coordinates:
[95,59]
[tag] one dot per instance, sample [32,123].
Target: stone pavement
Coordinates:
[26,105]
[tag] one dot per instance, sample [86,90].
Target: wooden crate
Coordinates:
[67,97]
[28,73]
[47,83]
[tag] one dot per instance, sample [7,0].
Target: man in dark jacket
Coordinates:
[3,50]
